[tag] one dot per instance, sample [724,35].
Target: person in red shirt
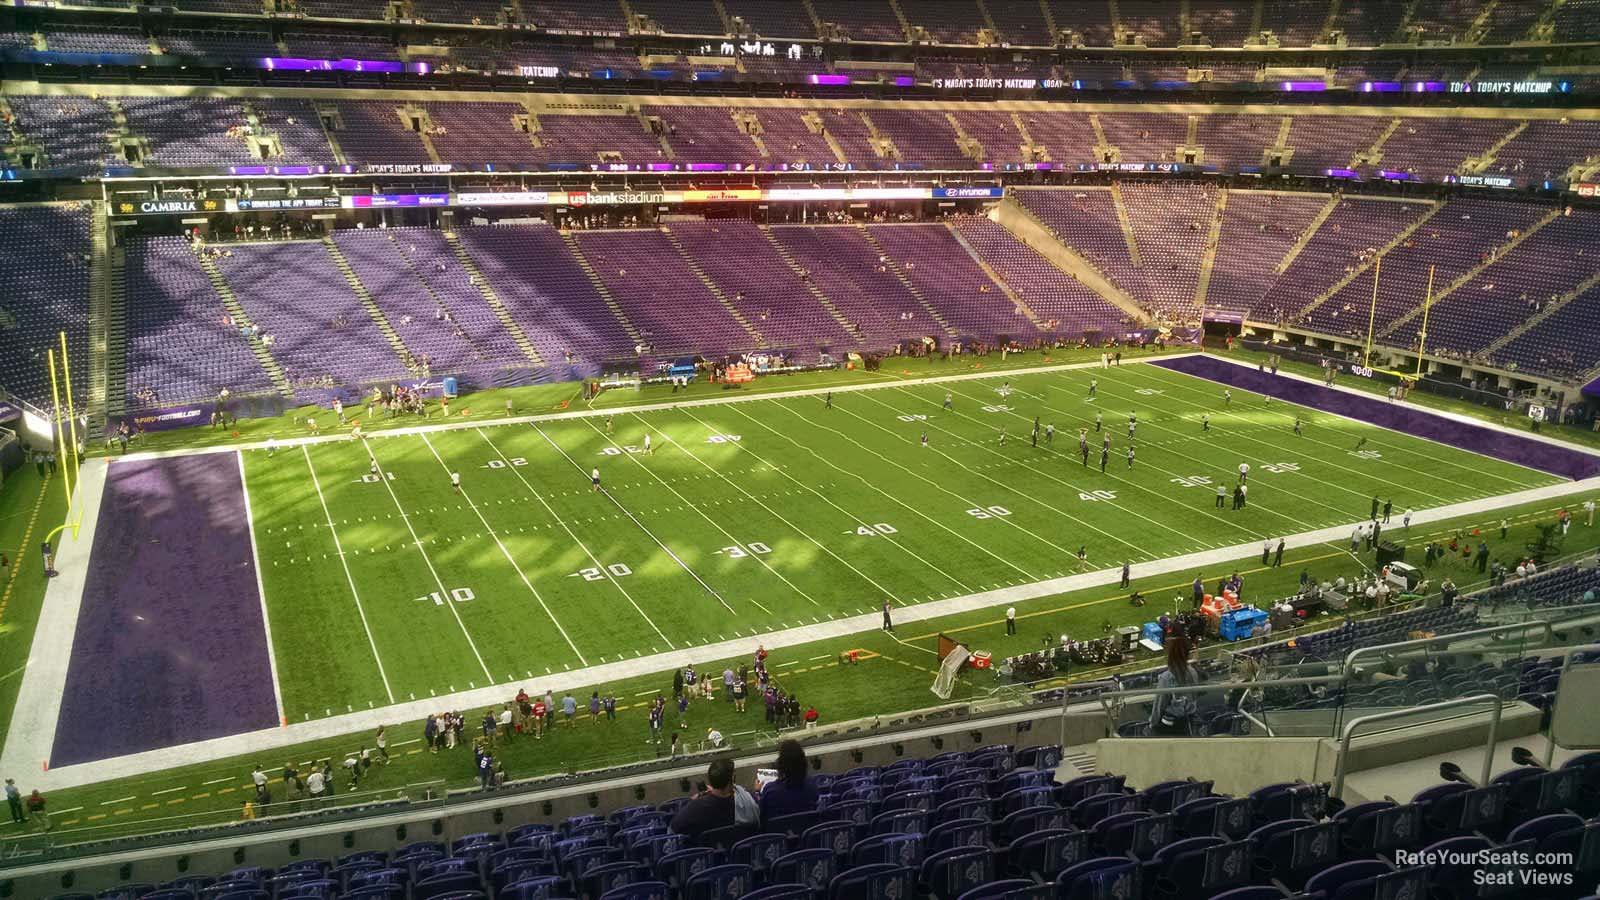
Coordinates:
[539,711]
[811,716]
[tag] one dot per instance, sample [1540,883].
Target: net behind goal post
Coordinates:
[952,656]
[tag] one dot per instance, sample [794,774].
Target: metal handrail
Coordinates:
[1350,659]
[1339,769]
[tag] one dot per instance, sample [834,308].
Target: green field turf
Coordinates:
[755,516]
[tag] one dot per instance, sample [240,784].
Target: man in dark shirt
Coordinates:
[712,807]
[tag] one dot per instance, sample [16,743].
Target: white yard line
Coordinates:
[261,591]
[1396,450]
[635,520]
[339,437]
[965,501]
[774,510]
[339,549]
[605,572]
[273,739]
[31,737]
[634,457]
[1425,410]
[1051,451]
[509,558]
[859,522]
[1294,521]
[383,478]
[896,501]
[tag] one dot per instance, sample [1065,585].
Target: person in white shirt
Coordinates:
[647,442]
[1011,620]
[594,479]
[259,778]
[1244,472]
[455,481]
[1405,520]
[314,784]
[1588,513]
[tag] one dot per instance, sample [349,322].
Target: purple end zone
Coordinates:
[170,646]
[1535,454]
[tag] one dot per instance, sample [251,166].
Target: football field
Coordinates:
[383,584]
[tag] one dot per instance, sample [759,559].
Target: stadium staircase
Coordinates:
[433,295]
[660,136]
[749,124]
[1329,23]
[1103,151]
[882,145]
[1467,277]
[988,20]
[1583,287]
[1049,20]
[816,292]
[714,288]
[900,275]
[235,309]
[1358,271]
[1280,147]
[333,143]
[107,326]
[1116,19]
[1029,230]
[1473,165]
[601,289]
[1309,233]
[970,146]
[1208,259]
[723,17]
[1126,223]
[815,125]
[1257,10]
[1374,154]
[422,133]
[811,12]
[900,16]
[1030,148]
[407,358]
[493,299]
[1016,299]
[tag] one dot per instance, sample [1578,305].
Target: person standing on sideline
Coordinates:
[1094,386]
[1227,397]
[1244,472]
[1105,454]
[382,741]
[1588,513]
[1355,538]
[888,624]
[14,800]
[1124,574]
[1405,520]
[36,809]
[1130,456]
[1097,422]
[1388,508]
[1277,556]
[1050,434]
[1266,551]
[1011,620]
[1222,493]
[1199,591]
[1374,514]
[1503,526]
[594,479]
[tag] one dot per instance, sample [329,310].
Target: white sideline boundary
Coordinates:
[261,590]
[44,682]
[368,720]
[38,707]
[412,430]
[1462,418]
